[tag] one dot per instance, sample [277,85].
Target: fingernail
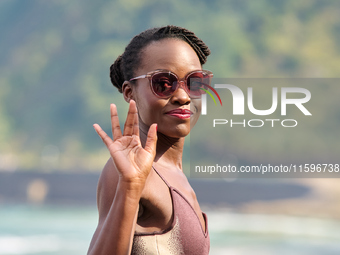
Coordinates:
[156,127]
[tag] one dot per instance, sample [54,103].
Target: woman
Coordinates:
[146,204]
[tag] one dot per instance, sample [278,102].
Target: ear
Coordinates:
[127,90]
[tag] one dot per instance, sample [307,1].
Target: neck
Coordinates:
[169,150]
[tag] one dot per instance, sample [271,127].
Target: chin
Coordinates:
[179,132]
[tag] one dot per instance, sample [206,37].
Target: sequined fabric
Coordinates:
[185,236]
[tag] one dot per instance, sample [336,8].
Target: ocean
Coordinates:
[67,230]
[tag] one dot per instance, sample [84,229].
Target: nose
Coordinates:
[180,96]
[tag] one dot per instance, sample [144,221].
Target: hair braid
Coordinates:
[125,65]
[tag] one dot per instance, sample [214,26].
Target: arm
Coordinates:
[117,207]
[121,184]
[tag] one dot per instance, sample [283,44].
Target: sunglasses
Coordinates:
[164,83]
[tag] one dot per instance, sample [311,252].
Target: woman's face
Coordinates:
[178,57]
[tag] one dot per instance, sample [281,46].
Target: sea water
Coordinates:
[52,230]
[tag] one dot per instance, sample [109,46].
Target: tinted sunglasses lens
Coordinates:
[164,84]
[197,83]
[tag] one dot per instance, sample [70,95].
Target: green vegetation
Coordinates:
[55,58]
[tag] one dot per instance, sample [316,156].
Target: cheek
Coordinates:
[148,107]
[197,104]
[141,95]
[196,109]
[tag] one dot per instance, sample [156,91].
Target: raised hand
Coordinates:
[132,161]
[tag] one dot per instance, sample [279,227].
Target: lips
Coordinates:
[180,113]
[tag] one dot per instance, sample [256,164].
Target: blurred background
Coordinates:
[54,84]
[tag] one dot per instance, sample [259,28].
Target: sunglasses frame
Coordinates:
[180,82]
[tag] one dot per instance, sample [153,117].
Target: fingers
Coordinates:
[116,132]
[151,140]
[106,139]
[136,125]
[131,124]
[129,127]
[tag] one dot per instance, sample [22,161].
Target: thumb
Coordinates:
[151,140]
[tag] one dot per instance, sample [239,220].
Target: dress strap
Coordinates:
[167,184]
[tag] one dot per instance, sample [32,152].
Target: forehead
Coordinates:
[171,54]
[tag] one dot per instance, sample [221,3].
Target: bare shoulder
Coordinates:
[107,186]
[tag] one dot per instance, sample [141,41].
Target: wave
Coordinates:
[33,244]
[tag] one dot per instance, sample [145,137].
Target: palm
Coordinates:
[130,158]
[132,161]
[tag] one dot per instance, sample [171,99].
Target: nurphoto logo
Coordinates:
[238,105]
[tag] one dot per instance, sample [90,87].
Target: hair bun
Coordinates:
[116,75]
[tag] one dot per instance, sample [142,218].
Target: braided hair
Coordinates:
[125,65]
